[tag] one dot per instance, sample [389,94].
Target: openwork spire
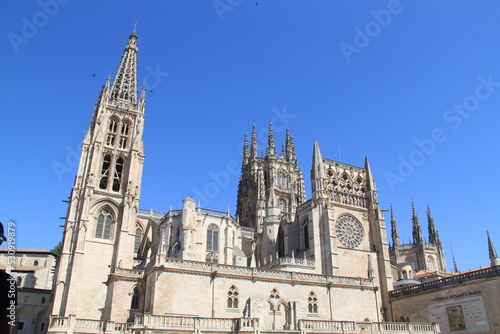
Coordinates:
[494,259]
[253,146]
[245,150]
[125,82]
[433,234]
[271,149]
[394,229]
[417,231]
[290,147]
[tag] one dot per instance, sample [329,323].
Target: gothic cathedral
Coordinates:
[283,263]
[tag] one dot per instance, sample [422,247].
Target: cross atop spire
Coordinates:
[125,82]
[494,260]
[417,231]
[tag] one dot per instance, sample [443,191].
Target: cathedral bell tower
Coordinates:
[102,212]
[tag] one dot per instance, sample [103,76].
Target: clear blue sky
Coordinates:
[376,78]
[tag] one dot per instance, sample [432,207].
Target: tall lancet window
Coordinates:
[124,135]
[110,141]
[213,243]
[281,180]
[306,234]
[104,227]
[103,184]
[138,238]
[117,178]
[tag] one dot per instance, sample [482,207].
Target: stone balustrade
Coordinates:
[263,274]
[73,325]
[196,324]
[193,324]
[322,326]
[452,280]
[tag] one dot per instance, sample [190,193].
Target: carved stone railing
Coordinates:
[247,229]
[296,261]
[71,324]
[263,274]
[452,280]
[342,165]
[129,272]
[214,212]
[322,326]
[152,213]
[196,324]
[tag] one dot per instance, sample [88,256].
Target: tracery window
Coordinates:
[282,206]
[232,297]
[124,135]
[212,243]
[213,238]
[137,238]
[103,184]
[281,180]
[274,294]
[430,263]
[110,141]
[104,225]
[312,303]
[117,177]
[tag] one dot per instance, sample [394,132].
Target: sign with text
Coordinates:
[464,315]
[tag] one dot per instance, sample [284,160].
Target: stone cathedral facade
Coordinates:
[284,263]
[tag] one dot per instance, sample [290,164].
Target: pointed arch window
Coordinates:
[136,296]
[124,134]
[281,180]
[104,225]
[35,263]
[312,303]
[212,243]
[306,234]
[113,124]
[213,238]
[106,163]
[430,263]
[117,178]
[281,241]
[138,238]
[232,297]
